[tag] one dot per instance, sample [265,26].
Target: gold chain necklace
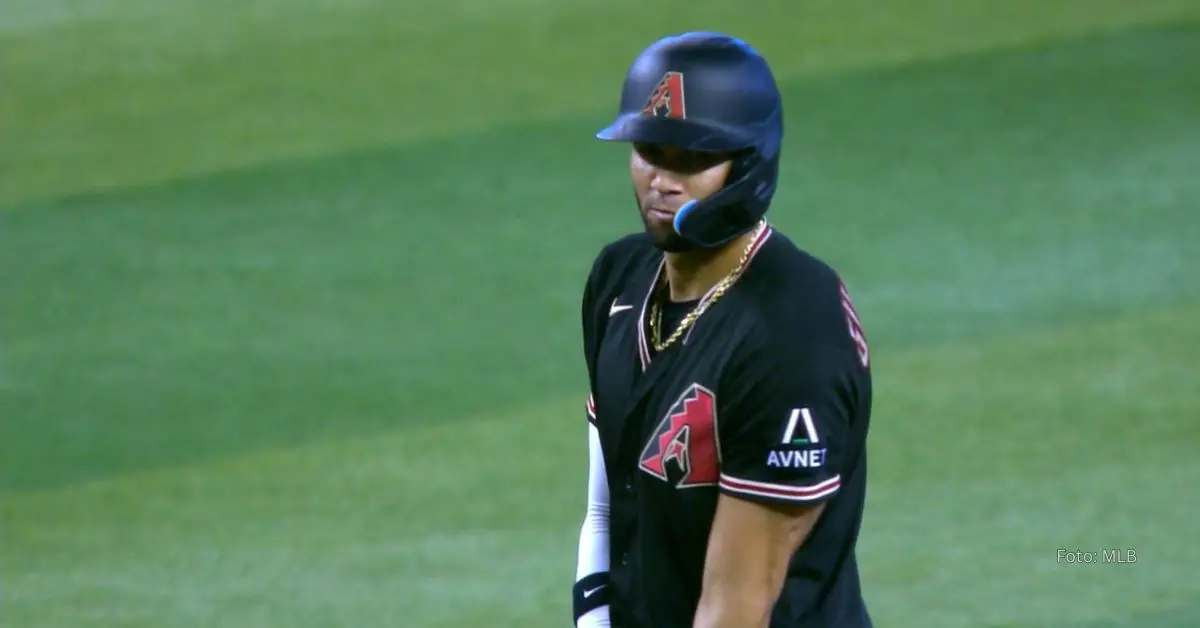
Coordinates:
[717,292]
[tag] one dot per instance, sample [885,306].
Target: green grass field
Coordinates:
[289,331]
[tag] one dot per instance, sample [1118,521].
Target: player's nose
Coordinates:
[663,183]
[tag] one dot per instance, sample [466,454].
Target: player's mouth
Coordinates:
[658,212]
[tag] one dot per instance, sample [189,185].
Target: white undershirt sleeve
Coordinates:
[593,537]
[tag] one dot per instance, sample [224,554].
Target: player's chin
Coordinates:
[662,234]
[670,242]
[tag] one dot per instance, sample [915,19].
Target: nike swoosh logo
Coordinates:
[618,308]
[590,592]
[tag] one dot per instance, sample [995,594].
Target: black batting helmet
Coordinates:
[708,92]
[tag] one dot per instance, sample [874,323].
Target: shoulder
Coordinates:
[800,307]
[621,257]
[613,267]
[616,262]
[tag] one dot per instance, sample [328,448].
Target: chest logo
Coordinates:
[683,447]
[617,308]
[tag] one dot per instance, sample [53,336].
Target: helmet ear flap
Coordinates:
[743,162]
[735,208]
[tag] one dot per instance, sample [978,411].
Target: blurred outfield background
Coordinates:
[289,327]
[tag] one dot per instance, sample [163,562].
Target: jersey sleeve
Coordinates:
[593,329]
[783,433]
[591,409]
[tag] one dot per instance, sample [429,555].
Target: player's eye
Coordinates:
[694,161]
[650,153]
[678,160]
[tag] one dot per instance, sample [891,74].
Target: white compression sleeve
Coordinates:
[593,537]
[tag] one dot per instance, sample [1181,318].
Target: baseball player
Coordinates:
[730,375]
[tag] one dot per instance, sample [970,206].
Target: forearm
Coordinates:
[593,537]
[591,571]
[736,605]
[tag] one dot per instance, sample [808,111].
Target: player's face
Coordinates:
[665,178]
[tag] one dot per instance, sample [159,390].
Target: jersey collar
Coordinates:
[644,354]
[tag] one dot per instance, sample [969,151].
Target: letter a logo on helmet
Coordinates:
[667,101]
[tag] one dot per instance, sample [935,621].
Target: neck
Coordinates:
[691,274]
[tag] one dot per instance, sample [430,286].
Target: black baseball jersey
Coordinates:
[766,398]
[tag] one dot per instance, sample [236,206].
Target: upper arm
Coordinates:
[784,434]
[749,549]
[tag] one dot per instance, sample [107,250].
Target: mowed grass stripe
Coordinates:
[986,459]
[135,93]
[375,291]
